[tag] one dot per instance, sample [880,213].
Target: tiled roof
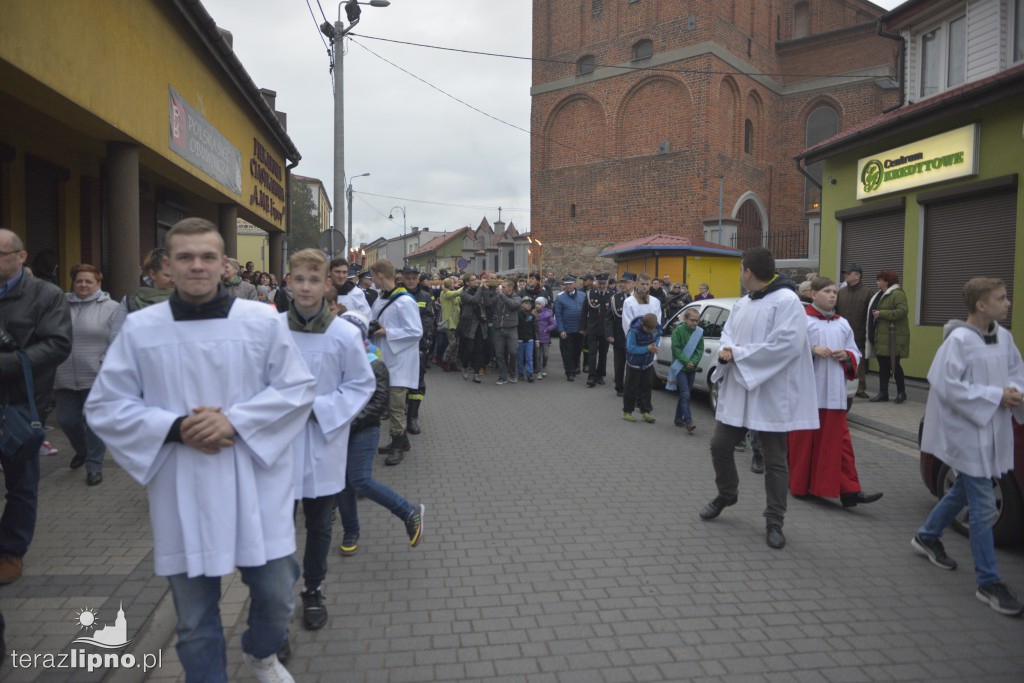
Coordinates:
[438,242]
[663,242]
[917,109]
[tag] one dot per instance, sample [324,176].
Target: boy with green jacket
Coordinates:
[687,349]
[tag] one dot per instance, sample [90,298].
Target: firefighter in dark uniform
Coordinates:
[626,284]
[424,299]
[588,284]
[596,323]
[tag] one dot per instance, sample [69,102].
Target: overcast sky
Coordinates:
[418,144]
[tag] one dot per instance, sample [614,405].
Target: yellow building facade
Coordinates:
[120,117]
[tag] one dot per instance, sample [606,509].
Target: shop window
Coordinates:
[748,136]
[643,49]
[585,65]
[943,57]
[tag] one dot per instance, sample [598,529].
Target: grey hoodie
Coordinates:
[990,338]
[91,334]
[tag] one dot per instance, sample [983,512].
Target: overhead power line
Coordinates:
[623,67]
[427,201]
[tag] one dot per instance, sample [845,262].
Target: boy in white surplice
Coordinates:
[204,416]
[333,351]
[976,380]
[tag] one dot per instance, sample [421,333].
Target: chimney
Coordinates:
[270,96]
[228,38]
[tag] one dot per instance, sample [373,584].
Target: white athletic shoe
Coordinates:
[268,670]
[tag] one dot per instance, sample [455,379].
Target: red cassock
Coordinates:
[821,460]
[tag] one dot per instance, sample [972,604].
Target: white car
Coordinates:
[713,314]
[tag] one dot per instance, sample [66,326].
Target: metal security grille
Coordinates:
[965,237]
[875,242]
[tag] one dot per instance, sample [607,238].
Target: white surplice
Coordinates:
[633,309]
[210,513]
[829,375]
[964,425]
[355,300]
[769,385]
[344,384]
[400,347]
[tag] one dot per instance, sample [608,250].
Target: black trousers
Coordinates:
[474,351]
[885,370]
[619,361]
[598,346]
[638,389]
[571,348]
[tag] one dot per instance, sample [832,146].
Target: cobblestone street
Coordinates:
[563,544]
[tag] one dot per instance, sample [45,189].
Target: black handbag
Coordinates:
[21,431]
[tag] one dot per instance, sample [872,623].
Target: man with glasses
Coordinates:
[34,319]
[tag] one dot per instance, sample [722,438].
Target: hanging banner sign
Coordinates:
[194,139]
[946,156]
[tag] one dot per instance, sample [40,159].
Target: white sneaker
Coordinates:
[268,670]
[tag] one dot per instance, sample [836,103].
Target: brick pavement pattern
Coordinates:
[563,544]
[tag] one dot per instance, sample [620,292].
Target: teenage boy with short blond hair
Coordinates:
[976,380]
[333,351]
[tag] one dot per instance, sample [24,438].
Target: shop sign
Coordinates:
[267,183]
[193,138]
[943,157]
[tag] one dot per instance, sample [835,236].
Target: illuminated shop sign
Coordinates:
[194,139]
[946,156]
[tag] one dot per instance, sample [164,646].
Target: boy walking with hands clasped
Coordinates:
[976,380]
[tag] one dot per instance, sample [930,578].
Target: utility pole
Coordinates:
[337,33]
[351,244]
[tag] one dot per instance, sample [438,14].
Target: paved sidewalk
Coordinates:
[562,544]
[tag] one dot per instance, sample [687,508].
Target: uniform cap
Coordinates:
[629,277]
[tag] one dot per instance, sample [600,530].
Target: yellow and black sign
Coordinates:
[949,155]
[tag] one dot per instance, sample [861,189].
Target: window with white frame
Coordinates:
[943,56]
[1018,31]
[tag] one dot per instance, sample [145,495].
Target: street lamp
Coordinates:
[391,217]
[336,33]
[349,193]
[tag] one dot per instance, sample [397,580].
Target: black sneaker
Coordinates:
[1000,598]
[349,545]
[414,526]
[933,550]
[715,507]
[314,612]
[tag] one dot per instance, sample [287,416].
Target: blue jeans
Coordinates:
[201,647]
[685,380]
[319,515]
[18,523]
[525,357]
[362,446]
[978,495]
[71,418]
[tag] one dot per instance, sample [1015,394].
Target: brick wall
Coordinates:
[642,152]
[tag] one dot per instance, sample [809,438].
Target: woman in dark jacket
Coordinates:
[889,334]
[472,328]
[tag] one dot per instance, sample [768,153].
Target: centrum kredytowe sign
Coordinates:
[953,154]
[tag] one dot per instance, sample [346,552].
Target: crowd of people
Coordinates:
[345,352]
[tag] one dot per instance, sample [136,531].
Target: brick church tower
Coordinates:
[653,114]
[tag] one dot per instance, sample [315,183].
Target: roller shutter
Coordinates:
[965,237]
[875,242]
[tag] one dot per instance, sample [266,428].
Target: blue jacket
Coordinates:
[637,341]
[569,310]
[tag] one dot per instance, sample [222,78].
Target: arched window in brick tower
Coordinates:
[801,19]
[822,123]
[750,231]
[748,137]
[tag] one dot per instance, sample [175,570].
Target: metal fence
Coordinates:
[785,245]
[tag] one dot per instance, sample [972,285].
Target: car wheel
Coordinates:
[1008,528]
